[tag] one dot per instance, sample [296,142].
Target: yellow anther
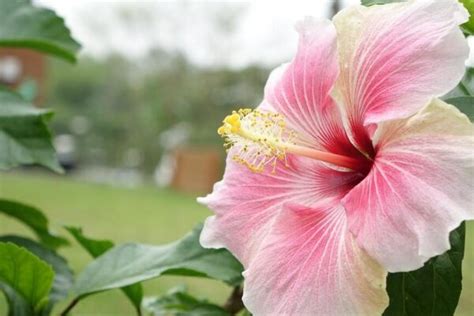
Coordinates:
[231,124]
[259,136]
[222,130]
[262,138]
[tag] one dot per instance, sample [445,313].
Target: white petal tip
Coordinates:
[311,24]
[208,239]
[202,200]
[461,14]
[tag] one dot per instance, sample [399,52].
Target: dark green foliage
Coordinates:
[179,303]
[131,263]
[95,248]
[433,289]
[464,104]
[24,135]
[468,27]
[63,277]
[34,219]
[25,279]
[23,25]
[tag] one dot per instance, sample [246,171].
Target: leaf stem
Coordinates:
[234,303]
[70,307]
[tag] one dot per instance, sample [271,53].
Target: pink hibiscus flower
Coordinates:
[350,167]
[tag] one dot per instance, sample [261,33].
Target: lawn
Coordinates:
[147,215]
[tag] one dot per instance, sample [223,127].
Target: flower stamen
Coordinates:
[262,138]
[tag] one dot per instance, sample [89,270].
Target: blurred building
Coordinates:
[23,67]
[196,169]
[187,168]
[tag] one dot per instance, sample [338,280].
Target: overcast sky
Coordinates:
[209,33]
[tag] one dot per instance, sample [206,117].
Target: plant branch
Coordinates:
[234,303]
[70,307]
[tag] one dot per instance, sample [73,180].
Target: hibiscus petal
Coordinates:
[245,203]
[310,265]
[301,89]
[419,189]
[394,58]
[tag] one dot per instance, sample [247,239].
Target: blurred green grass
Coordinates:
[145,214]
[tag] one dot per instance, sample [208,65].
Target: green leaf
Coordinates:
[368,3]
[179,303]
[23,25]
[17,305]
[28,276]
[96,248]
[433,289]
[468,27]
[464,104]
[24,135]
[63,277]
[34,219]
[131,263]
